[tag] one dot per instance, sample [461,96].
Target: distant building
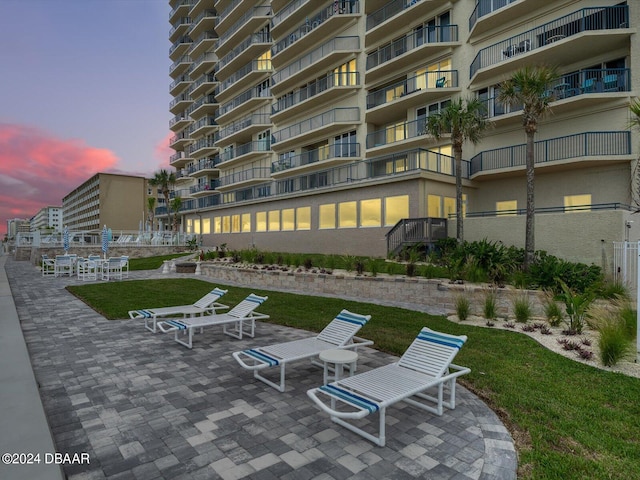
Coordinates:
[118,201]
[15,225]
[47,219]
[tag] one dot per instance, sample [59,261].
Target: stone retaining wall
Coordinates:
[435,295]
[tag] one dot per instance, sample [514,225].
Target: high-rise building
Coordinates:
[48,219]
[301,125]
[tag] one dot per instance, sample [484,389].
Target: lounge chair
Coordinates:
[424,366]
[48,266]
[206,305]
[338,334]
[237,318]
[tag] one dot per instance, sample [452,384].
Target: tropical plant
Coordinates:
[465,120]
[164,181]
[528,88]
[151,208]
[576,305]
[552,309]
[176,205]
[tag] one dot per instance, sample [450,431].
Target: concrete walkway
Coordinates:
[141,406]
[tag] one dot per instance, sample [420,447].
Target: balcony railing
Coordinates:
[242,98]
[582,82]
[418,159]
[317,122]
[427,80]
[253,39]
[207,142]
[256,173]
[320,85]
[181,41]
[347,44]
[286,12]
[337,150]
[205,100]
[204,187]
[586,19]
[255,119]
[558,209]
[204,164]
[426,36]
[253,66]
[181,61]
[397,133]
[485,7]
[588,144]
[260,11]
[314,22]
[179,23]
[249,147]
[389,10]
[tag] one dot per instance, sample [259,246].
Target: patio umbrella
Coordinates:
[105,241]
[65,239]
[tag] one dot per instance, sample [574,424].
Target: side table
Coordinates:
[339,358]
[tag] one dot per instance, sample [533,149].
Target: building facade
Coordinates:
[300,125]
[48,219]
[118,201]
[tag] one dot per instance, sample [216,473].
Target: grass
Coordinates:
[562,429]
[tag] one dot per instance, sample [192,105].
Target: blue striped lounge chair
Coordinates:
[339,334]
[425,366]
[207,305]
[239,321]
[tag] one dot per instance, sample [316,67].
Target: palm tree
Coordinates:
[466,121]
[528,88]
[176,204]
[151,206]
[164,181]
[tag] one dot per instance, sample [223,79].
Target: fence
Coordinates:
[625,265]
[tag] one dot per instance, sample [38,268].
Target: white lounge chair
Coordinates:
[206,305]
[424,366]
[237,319]
[48,266]
[339,334]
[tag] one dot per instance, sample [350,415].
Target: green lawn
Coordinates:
[569,420]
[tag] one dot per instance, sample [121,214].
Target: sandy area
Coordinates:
[627,366]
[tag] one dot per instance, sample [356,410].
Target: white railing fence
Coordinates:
[625,271]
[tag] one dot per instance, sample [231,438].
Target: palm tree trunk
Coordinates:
[529,242]
[458,159]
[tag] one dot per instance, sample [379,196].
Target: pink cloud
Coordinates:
[38,169]
[163,152]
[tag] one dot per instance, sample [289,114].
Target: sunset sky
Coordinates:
[84,89]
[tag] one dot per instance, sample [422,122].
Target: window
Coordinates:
[274,220]
[303,218]
[347,214]
[261,222]
[345,74]
[189,225]
[434,206]
[395,209]
[395,132]
[370,213]
[288,219]
[507,207]
[206,226]
[579,203]
[264,61]
[327,216]
[449,204]
[246,222]
[217,225]
[226,224]
[345,145]
[235,223]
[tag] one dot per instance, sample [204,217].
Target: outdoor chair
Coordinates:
[63,265]
[425,366]
[339,334]
[239,321]
[48,266]
[112,268]
[208,304]
[87,269]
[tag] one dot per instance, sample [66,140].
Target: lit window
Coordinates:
[274,220]
[449,206]
[246,222]
[196,226]
[578,203]
[261,222]
[434,206]
[508,207]
[327,216]
[226,224]
[370,213]
[288,219]
[235,223]
[303,218]
[395,209]
[217,225]
[189,225]
[347,214]
[206,226]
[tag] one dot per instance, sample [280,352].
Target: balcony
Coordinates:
[179,85]
[206,105]
[179,122]
[180,103]
[414,161]
[198,6]
[202,147]
[182,176]
[180,27]
[180,66]
[247,24]
[206,166]
[244,153]
[319,126]
[244,178]
[205,188]
[558,153]
[203,22]
[180,10]
[589,32]
[180,140]
[252,73]
[243,103]
[573,90]
[204,85]
[396,15]
[179,159]
[320,59]
[182,193]
[394,100]
[180,47]
[405,51]
[203,64]
[315,29]
[324,157]
[204,126]
[228,16]
[243,128]
[203,43]
[323,91]
[286,18]
[403,132]
[490,14]
[249,49]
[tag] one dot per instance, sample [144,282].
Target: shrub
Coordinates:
[490,308]
[372,266]
[576,306]
[462,307]
[552,310]
[349,262]
[610,288]
[613,343]
[308,263]
[522,308]
[359,264]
